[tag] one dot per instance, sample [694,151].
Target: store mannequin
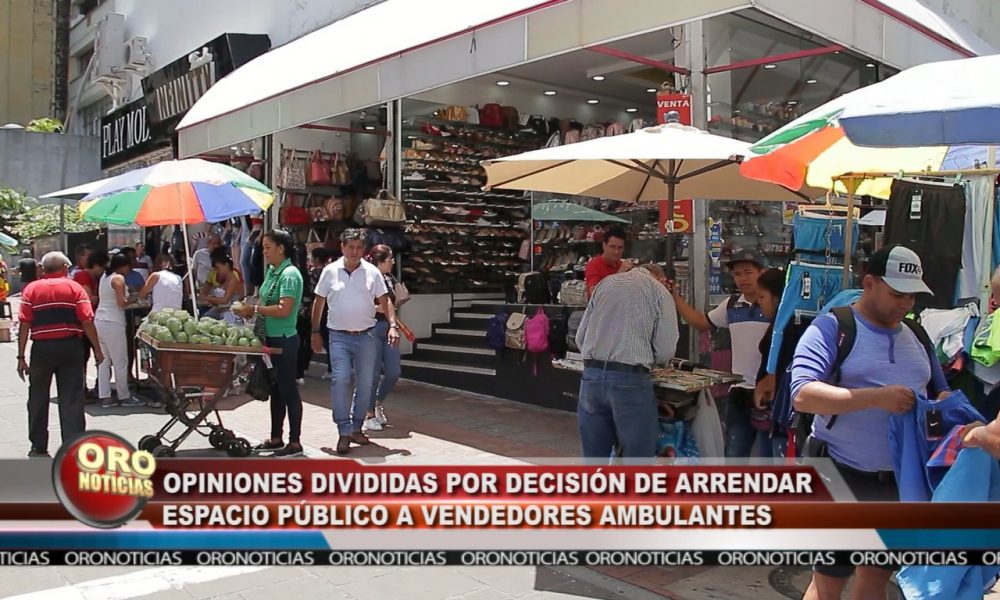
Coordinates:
[252,259]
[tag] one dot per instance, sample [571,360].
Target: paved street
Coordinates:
[428,425]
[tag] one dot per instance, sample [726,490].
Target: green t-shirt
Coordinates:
[285,281]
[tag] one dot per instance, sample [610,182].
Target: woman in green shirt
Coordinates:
[280,297]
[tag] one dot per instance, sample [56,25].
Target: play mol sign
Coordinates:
[124,131]
[667,101]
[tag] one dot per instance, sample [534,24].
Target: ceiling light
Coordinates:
[598,77]
[811,81]
[593,101]
[370,127]
[792,102]
[549,92]
[632,109]
[502,83]
[771,66]
[651,90]
[870,65]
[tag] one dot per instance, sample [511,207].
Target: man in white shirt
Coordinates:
[352,287]
[630,325]
[202,260]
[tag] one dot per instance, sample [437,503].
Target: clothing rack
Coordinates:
[853,180]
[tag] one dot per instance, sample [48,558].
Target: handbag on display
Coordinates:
[573,293]
[340,174]
[292,214]
[334,209]
[313,241]
[318,172]
[510,117]
[382,209]
[472,115]
[491,115]
[293,171]
[455,113]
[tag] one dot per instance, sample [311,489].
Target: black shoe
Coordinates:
[360,439]
[36,453]
[289,451]
[343,444]
[269,445]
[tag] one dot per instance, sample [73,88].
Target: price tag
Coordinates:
[916,201]
[806,286]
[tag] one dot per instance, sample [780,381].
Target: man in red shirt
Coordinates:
[57,313]
[610,261]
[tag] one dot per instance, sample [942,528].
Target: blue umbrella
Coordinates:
[946,103]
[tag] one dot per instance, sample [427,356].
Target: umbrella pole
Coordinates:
[187,257]
[852,186]
[669,225]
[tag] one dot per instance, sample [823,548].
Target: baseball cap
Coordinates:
[740,256]
[900,268]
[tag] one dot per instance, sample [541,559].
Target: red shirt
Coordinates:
[598,269]
[83,278]
[54,308]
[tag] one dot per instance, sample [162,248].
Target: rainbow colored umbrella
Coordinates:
[813,149]
[176,192]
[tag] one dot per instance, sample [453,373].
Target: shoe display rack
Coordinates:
[564,247]
[462,238]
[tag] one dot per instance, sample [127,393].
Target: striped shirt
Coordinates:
[631,319]
[54,308]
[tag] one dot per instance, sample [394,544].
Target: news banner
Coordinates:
[104,503]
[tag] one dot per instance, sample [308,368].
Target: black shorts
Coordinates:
[866,487]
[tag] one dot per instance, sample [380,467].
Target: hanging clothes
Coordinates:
[974,276]
[912,440]
[946,328]
[816,232]
[974,477]
[808,287]
[933,227]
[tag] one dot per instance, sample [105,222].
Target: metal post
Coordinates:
[67,126]
[852,186]
[671,184]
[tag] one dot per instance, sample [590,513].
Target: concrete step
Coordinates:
[420,364]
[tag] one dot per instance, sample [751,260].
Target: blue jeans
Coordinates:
[740,435]
[616,407]
[352,355]
[388,365]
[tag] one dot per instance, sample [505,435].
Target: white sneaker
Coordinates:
[300,381]
[380,415]
[327,376]
[372,424]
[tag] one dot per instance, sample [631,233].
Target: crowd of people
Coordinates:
[345,309]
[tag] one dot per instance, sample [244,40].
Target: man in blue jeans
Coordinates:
[630,324]
[352,287]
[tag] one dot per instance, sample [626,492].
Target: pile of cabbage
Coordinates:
[177,326]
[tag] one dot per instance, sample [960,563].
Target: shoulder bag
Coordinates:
[293,171]
[318,172]
[382,209]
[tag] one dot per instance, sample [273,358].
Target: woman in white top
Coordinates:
[109,319]
[165,286]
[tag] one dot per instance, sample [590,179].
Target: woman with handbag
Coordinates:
[388,366]
[278,307]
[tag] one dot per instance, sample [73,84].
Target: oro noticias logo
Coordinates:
[102,480]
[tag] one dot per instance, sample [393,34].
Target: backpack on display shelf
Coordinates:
[558,328]
[496,331]
[573,293]
[514,332]
[572,325]
[531,289]
[536,332]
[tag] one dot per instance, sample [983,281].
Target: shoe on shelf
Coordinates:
[289,451]
[372,424]
[344,444]
[268,445]
[359,438]
[36,453]
[131,402]
[109,402]
[380,415]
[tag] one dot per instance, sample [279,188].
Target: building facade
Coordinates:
[27,60]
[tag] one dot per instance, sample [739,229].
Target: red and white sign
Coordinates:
[667,101]
[683,221]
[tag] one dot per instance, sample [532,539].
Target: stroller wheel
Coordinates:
[220,438]
[163,452]
[239,448]
[149,443]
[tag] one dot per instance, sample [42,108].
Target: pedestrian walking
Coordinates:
[109,318]
[388,361]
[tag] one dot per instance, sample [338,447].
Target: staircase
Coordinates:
[456,354]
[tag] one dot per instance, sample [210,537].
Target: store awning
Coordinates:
[399,48]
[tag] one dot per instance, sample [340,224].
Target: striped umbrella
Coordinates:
[813,149]
[176,192]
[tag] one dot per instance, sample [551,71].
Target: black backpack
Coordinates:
[534,289]
[558,330]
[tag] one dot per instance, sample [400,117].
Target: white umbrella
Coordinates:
[946,103]
[656,163]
